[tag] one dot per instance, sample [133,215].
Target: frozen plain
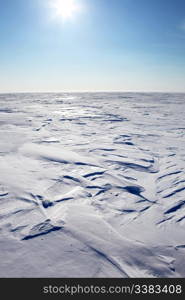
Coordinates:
[92,185]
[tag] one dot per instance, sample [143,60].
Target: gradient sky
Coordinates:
[110,45]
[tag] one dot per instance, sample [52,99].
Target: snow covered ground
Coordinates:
[92,185]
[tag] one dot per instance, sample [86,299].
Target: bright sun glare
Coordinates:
[65,8]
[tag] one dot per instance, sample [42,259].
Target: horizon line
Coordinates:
[91,91]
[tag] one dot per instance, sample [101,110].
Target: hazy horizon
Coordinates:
[93,92]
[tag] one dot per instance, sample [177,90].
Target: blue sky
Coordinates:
[108,45]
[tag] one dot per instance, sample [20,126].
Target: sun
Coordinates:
[65,8]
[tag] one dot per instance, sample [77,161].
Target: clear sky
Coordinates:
[103,45]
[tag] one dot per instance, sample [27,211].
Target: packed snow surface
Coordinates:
[92,185]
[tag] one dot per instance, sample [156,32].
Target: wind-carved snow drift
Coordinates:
[92,185]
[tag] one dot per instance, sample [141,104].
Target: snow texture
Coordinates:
[92,185]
